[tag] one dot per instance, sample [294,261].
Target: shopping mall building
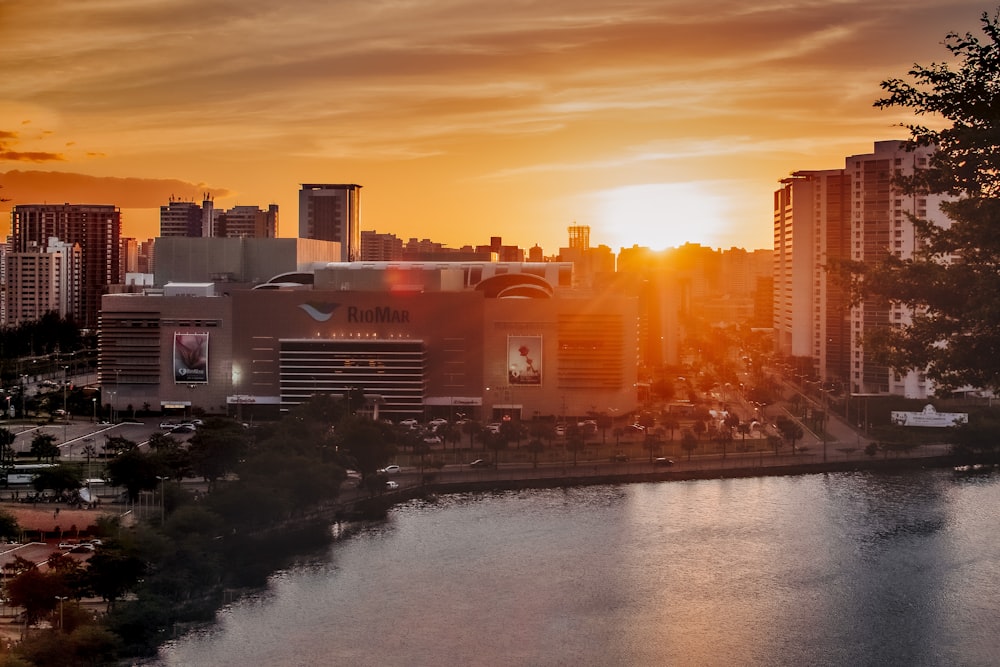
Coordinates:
[482,340]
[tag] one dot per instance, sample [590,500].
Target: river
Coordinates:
[834,569]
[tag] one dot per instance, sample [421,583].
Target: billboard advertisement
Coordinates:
[190,358]
[524,360]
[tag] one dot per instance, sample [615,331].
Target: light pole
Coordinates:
[65,383]
[94,401]
[61,598]
[162,511]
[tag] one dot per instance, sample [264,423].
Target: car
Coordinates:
[561,430]
[635,428]
[434,423]
[168,425]
[391,485]
[82,548]
[432,440]
[481,463]
[663,461]
[409,423]
[182,428]
[68,545]
[493,427]
[391,470]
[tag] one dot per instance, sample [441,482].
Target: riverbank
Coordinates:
[514,479]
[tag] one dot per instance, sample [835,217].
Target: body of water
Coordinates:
[838,569]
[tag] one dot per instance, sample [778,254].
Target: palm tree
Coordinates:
[574,440]
[473,429]
[689,442]
[671,425]
[535,446]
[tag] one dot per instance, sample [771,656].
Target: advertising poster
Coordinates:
[524,360]
[190,357]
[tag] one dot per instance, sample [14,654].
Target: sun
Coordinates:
[660,215]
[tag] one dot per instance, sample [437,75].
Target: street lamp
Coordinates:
[61,598]
[65,383]
[94,401]
[162,511]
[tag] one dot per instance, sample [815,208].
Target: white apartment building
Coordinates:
[854,213]
[43,280]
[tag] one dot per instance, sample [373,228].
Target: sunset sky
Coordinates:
[656,122]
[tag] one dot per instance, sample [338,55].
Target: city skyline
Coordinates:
[653,125]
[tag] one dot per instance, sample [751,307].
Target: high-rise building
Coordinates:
[41,280]
[811,230]
[185,218]
[854,213]
[96,228]
[332,212]
[188,219]
[377,247]
[246,222]
[589,263]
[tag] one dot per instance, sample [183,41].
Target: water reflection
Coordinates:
[821,570]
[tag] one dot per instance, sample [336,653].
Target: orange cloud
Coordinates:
[6,152]
[31,156]
[33,187]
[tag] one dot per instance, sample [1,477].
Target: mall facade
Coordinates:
[480,340]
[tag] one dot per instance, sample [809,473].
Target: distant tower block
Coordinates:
[579,237]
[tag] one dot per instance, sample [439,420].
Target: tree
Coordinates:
[575,441]
[671,425]
[113,571]
[135,470]
[9,527]
[689,442]
[496,441]
[950,285]
[474,429]
[535,446]
[117,444]
[43,446]
[369,444]
[59,479]
[7,438]
[604,422]
[36,592]
[216,448]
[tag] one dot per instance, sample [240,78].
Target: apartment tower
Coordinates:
[96,228]
[853,213]
[332,212]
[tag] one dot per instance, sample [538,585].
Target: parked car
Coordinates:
[432,440]
[168,425]
[493,428]
[391,485]
[663,461]
[635,428]
[481,463]
[391,470]
[434,423]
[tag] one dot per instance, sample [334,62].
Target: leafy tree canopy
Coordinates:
[950,284]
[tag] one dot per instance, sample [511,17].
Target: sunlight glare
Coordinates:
[660,215]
